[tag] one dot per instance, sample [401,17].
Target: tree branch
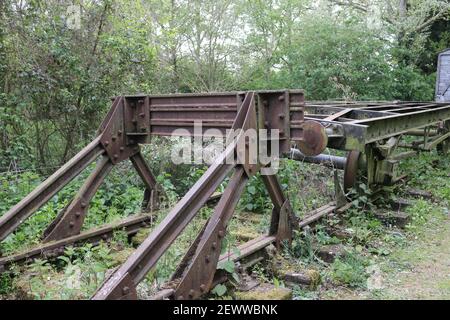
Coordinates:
[352,4]
[430,21]
[360,7]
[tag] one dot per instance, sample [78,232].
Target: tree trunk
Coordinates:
[402,8]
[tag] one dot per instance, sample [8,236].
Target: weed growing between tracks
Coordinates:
[371,248]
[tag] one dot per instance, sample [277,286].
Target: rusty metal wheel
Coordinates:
[351,170]
[315,139]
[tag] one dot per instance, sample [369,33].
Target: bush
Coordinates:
[350,270]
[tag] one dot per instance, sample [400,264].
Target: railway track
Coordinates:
[372,134]
[131,226]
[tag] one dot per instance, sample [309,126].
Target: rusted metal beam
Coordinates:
[46,190]
[53,249]
[328,160]
[252,252]
[149,252]
[152,190]
[394,125]
[197,276]
[197,272]
[70,221]
[374,122]
[122,284]
[316,215]
[133,120]
[338,114]
[247,249]
[282,214]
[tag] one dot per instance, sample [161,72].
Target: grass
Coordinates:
[416,262]
[374,249]
[350,270]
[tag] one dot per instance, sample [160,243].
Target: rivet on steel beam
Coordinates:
[77,214]
[281,98]
[72,224]
[266,123]
[113,138]
[281,115]
[142,115]
[83,204]
[105,237]
[121,149]
[191,293]
[214,246]
[180,298]
[134,121]
[202,287]
[116,156]
[207,259]
[221,234]
[119,132]
[126,290]
[140,101]
[106,143]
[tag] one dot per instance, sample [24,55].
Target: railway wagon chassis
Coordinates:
[369,133]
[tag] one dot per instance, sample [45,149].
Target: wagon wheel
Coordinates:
[351,170]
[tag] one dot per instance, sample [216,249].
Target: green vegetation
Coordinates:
[375,254]
[55,87]
[116,199]
[369,245]
[56,78]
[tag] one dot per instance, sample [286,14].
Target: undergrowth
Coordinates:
[77,273]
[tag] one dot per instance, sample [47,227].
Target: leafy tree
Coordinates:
[56,81]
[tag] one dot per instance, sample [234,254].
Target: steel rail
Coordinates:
[53,249]
[46,190]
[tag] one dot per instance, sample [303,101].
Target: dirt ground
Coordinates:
[420,270]
[426,264]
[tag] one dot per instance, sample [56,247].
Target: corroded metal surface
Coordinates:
[370,128]
[351,170]
[53,249]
